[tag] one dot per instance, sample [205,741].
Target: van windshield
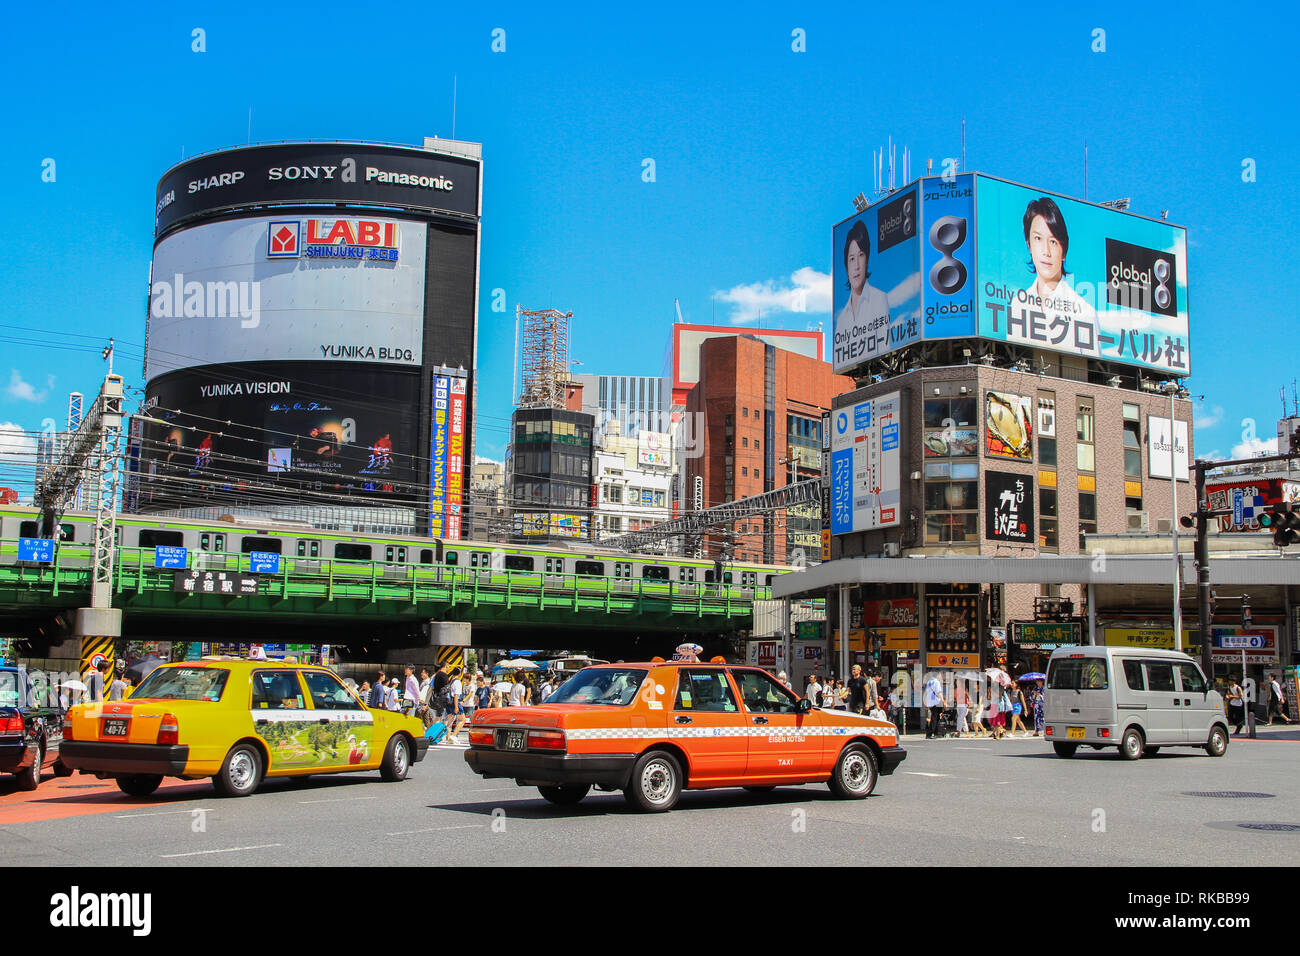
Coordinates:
[1086,673]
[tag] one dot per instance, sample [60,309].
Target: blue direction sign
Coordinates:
[40,550]
[1238,508]
[263,562]
[1239,642]
[166,556]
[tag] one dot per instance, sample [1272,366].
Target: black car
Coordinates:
[29,734]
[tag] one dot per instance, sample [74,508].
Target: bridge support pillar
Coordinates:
[98,630]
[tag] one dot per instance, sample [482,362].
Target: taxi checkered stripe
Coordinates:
[759,730]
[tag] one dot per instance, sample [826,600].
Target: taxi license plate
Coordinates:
[1076,733]
[514,740]
[116,727]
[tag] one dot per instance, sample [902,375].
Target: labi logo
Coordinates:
[896,221]
[1141,278]
[75,909]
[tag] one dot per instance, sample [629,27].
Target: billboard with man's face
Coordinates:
[877,281]
[1069,276]
[968,256]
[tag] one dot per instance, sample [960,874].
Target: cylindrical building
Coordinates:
[312,336]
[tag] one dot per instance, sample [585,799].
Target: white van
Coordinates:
[1134,699]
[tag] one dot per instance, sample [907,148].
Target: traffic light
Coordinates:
[877,645]
[1246,620]
[1283,519]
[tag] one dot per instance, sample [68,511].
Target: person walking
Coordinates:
[412,688]
[1236,702]
[520,693]
[961,699]
[935,704]
[1276,702]
[814,690]
[455,705]
[999,705]
[857,690]
[978,727]
[1018,706]
[1036,702]
[377,694]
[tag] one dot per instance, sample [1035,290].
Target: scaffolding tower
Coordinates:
[544,344]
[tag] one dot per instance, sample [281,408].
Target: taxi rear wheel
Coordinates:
[397,759]
[656,782]
[240,773]
[564,796]
[855,773]
[138,784]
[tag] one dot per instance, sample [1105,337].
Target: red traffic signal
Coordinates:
[1283,519]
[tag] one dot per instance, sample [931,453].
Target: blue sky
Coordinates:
[758,151]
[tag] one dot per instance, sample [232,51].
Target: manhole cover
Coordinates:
[1225,793]
[1273,827]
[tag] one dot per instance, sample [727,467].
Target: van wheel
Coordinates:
[240,773]
[1065,750]
[138,784]
[1132,745]
[656,782]
[1218,743]
[564,796]
[855,774]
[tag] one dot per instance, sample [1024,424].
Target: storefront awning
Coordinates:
[1047,569]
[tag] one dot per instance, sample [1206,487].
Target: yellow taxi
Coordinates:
[238,722]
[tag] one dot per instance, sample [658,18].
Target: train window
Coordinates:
[426,555]
[388,553]
[708,577]
[205,542]
[690,575]
[627,569]
[768,581]
[152,538]
[67,532]
[654,572]
[594,568]
[484,559]
[401,555]
[29,529]
[726,578]
[548,566]
[681,574]
[314,551]
[559,565]
[451,557]
[219,542]
[253,543]
[518,562]
[352,552]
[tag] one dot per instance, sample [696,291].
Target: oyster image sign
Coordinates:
[1008,429]
[865,465]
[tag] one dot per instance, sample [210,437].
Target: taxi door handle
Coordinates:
[760,720]
[683,719]
[263,722]
[1187,702]
[1176,702]
[323,720]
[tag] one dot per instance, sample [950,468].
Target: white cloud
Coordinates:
[1206,417]
[1254,447]
[16,446]
[806,290]
[25,391]
[907,289]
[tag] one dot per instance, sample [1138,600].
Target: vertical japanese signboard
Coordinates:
[438,450]
[456,459]
[865,465]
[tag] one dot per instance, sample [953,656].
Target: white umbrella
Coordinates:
[503,687]
[998,676]
[74,685]
[519,664]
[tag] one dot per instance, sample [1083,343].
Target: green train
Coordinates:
[222,545]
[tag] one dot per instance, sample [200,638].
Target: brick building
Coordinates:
[759,410]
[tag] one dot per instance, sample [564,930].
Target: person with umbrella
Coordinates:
[1036,699]
[999,702]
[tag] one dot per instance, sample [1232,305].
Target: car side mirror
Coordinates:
[804,706]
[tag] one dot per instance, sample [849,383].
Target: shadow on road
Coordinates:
[529,806]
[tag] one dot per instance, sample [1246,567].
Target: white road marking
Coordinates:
[233,849]
[337,800]
[160,813]
[468,826]
[918,773]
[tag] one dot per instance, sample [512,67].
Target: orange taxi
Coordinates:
[655,729]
